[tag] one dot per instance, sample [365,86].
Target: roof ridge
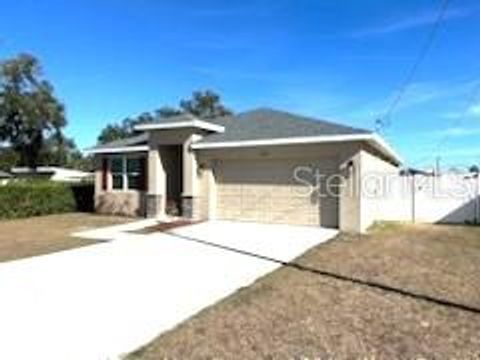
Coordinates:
[298,117]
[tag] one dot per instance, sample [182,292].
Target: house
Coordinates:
[262,165]
[52,173]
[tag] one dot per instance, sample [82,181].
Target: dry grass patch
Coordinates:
[46,234]
[299,314]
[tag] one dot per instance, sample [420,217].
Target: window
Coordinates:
[134,174]
[127,173]
[117,173]
[104,174]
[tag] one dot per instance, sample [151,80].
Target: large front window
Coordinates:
[127,173]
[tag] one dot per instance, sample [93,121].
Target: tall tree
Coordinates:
[59,151]
[29,111]
[124,129]
[166,112]
[112,132]
[204,104]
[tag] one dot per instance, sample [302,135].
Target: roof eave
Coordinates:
[199,124]
[375,140]
[116,150]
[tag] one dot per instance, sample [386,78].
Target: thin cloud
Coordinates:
[474,110]
[413,22]
[420,94]
[456,132]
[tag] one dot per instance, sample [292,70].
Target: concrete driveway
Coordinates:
[105,300]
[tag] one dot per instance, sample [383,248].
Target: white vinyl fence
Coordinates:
[421,198]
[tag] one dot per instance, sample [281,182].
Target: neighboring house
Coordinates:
[4,177]
[255,166]
[52,173]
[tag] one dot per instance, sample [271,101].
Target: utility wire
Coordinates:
[470,101]
[384,120]
[474,95]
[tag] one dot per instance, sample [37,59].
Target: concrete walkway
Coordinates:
[105,300]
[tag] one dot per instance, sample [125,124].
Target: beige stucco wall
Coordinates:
[350,193]
[376,200]
[204,197]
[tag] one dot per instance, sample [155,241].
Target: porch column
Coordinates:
[190,201]
[156,198]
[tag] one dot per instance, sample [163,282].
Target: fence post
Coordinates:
[477,199]
[413,190]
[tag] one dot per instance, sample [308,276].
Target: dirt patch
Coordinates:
[46,234]
[292,313]
[165,226]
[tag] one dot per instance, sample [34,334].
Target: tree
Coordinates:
[204,104]
[29,111]
[111,133]
[124,129]
[475,169]
[59,151]
[166,112]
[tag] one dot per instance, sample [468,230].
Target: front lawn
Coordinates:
[46,234]
[303,312]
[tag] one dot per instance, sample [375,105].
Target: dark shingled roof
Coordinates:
[131,141]
[262,124]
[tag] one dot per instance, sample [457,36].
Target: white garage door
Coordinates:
[269,191]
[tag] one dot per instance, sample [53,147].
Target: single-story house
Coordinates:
[52,173]
[263,165]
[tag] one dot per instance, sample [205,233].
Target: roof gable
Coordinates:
[264,124]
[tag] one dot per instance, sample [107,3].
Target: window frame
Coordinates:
[133,173]
[124,172]
[121,173]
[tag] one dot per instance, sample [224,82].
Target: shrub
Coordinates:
[33,198]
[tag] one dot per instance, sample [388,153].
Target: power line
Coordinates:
[384,121]
[470,101]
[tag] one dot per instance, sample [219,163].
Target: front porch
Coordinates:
[156,178]
[174,179]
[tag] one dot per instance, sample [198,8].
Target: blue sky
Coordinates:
[340,60]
